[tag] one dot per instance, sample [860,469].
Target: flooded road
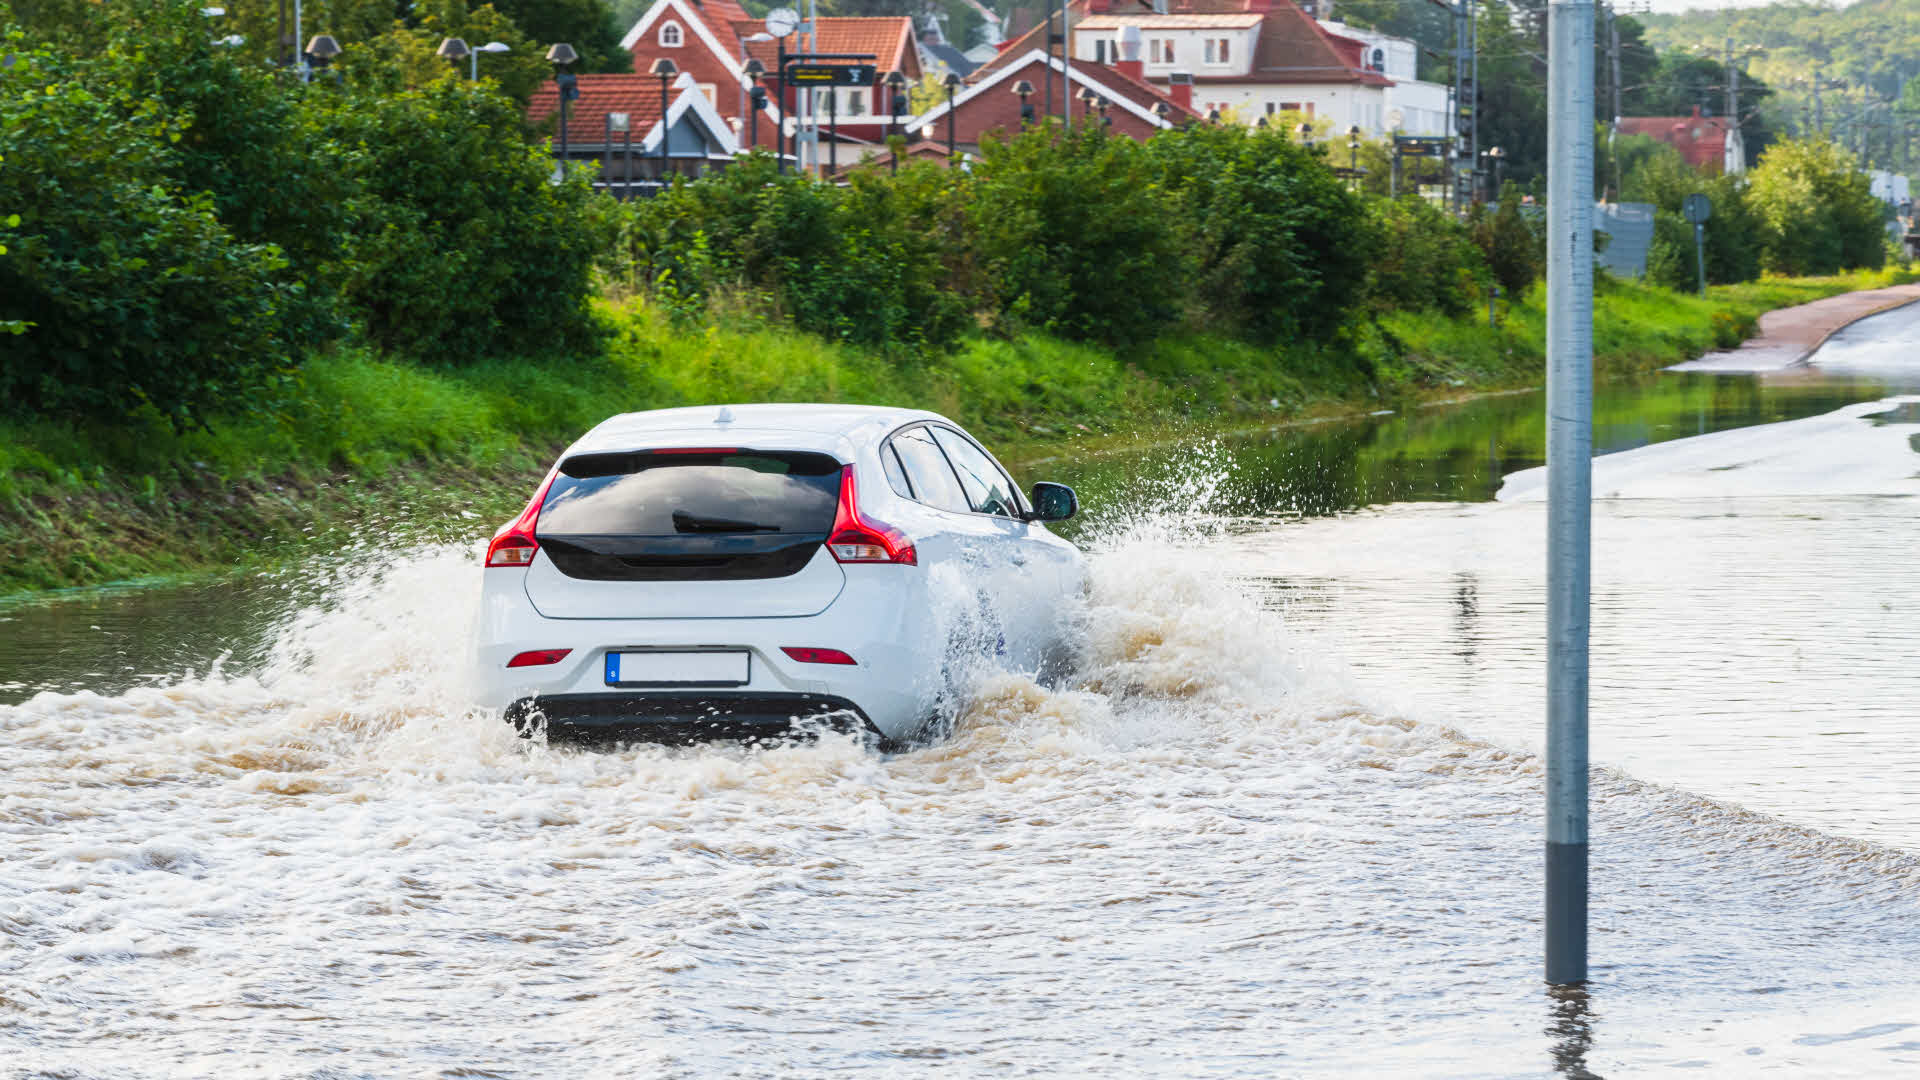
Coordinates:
[1285,821]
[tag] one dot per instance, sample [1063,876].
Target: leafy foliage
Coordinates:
[1425,260]
[1512,242]
[129,294]
[1818,210]
[1281,245]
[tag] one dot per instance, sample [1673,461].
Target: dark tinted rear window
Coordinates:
[653,494]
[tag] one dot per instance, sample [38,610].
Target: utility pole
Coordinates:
[1569,477]
[1819,111]
[1466,65]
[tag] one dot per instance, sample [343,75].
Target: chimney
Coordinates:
[1180,89]
[1129,63]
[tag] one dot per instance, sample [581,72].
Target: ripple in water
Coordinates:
[1210,854]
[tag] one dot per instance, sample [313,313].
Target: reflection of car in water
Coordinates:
[700,572]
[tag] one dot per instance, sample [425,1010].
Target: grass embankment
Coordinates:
[364,451]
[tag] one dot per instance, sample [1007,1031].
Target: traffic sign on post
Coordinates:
[830,74]
[1698,208]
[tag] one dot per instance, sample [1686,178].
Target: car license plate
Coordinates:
[678,668]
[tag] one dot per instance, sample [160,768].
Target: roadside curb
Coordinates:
[1806,357]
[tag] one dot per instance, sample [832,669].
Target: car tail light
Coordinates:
[539,658]
[858,538]
[514,544]
[816,656]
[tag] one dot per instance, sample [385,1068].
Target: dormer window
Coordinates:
[1217,51]
[670,35]
[1161,50]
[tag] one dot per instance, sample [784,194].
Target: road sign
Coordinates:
[1697,208]
[1419,146]
[830,74]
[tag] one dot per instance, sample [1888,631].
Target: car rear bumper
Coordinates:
[683,717]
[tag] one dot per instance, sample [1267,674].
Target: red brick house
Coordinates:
[1133,107]
[1710,144]
[615,123]
[708,39]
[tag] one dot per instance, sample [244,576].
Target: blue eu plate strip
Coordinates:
[613,668]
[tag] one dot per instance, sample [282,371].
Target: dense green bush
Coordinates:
[1734,234]
[1281,245]
[1512,243]
[458,242]
[1074,237]
[1819,211]
[130,293]
[1424,258]
[874,262]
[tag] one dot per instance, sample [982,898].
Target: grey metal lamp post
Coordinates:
[473,58]
[1499,159]
[322,49]
[453,50]
[952,83]
[754,70]
[897,108]
[560,55]
[664,70]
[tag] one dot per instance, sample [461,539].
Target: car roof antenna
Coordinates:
[725,417]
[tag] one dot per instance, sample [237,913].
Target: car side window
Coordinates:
[987,488]
[927,470]
[896,476]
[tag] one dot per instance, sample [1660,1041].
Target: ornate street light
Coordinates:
[952,83]
[754,70]
[1024,90]
[560,55]
[663,69]
[897,103]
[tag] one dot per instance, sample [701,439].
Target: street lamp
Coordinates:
[560,55]
[473,58]
[1305,131]
[952,83]
[453,50]
[1499,159]
[1087,98]
[754,70]
[1024,90]
[322,49]
[897,100]
[1353,155]
[663,69]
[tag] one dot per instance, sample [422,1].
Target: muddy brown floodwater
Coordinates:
[1284,822]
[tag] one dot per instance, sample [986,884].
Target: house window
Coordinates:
[1100,50]
[1162,51]
[1216,51]
[855,103]
[670,35]
[1289,106]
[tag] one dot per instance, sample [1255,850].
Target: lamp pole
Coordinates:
[750,68]
[1569,477]
[757,97]
[1024,90]
[663,69]
[897,104]
[560,55]
[474,57]
[952,83]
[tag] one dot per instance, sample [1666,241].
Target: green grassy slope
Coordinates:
[360,450]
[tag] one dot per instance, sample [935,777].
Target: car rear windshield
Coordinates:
[667,493]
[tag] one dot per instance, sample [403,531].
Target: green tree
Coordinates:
[1281,245]
[1424,258]
[131,295]
[1511,242]
[1818,209]
[1074,236]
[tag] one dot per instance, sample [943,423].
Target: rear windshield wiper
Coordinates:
[690,523]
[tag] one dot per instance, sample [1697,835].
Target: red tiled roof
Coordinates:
[889,38]
[1292,47]
[636,95]
[1701,140]
[1139,91]
[720,17]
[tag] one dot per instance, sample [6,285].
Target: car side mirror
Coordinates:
[1053,502]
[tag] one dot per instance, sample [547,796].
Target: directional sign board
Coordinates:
[830,74]
[1419,146]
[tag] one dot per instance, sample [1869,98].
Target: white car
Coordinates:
[737,571]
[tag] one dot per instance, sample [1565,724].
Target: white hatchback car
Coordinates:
[735,571]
